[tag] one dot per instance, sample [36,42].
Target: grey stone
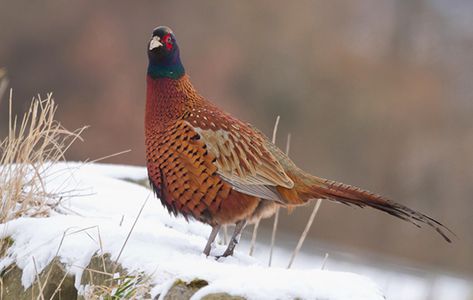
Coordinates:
[55,283]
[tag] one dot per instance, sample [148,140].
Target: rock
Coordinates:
[182,290]
[222,296]
[98,280]
[100,271]
[55,283]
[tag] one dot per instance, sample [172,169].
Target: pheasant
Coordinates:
[206,165]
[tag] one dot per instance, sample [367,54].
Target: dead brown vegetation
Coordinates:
[34,142]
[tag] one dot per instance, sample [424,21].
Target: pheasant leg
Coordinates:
[235,238]
[211,239]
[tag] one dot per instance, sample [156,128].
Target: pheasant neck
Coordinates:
[167,100]
[169,68]
[174,71]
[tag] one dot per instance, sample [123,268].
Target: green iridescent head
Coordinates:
[163,55]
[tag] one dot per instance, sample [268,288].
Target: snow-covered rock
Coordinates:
[98,213]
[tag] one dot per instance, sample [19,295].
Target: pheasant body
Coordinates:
[183,169]
[207,165]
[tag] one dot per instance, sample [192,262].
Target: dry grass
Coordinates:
[128,286]
[305,232]
[120,287]
[34,143]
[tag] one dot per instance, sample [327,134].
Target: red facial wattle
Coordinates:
[167,39]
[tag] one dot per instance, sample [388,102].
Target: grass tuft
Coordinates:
[122,287]
[34,143]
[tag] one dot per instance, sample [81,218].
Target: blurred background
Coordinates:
[375,93]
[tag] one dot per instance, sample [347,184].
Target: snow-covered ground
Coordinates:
[398,280]
[99,210]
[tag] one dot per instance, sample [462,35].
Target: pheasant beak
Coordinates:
[155,43]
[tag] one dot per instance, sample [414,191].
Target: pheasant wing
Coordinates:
[241,154]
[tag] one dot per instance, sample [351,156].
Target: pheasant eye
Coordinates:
[168,42]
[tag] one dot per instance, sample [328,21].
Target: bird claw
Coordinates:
[225,254]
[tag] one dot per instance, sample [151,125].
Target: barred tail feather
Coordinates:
[349,195]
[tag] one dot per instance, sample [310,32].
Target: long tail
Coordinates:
[326,189]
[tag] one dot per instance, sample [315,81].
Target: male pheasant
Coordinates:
[207,165]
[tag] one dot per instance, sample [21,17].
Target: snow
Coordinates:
[115,171]
[98,212]
[293,284]
[398,279]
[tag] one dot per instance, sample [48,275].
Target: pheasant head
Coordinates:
[169,91]
[163,55]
